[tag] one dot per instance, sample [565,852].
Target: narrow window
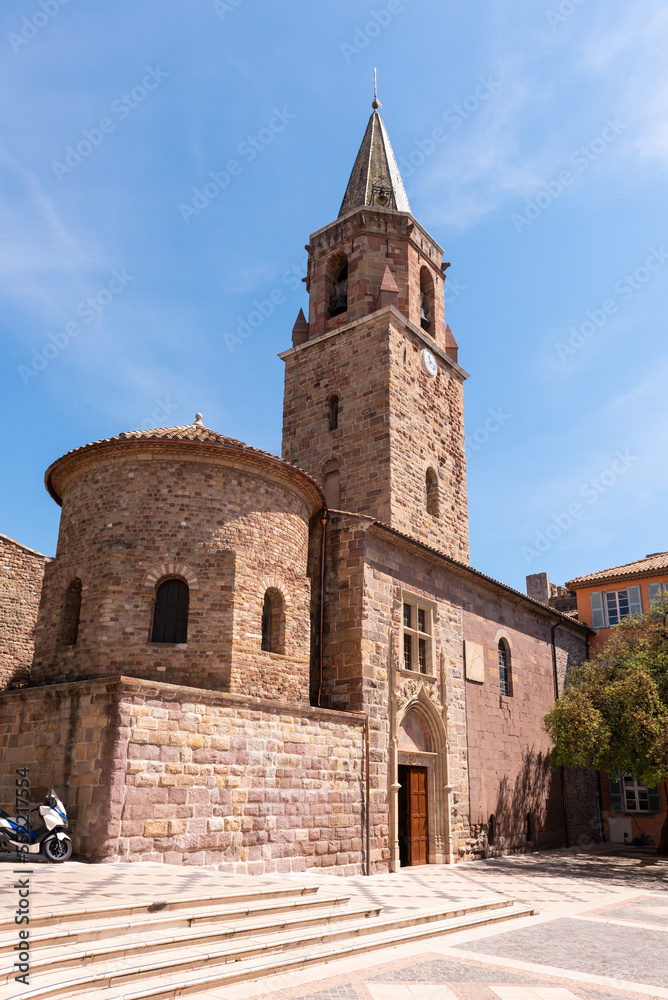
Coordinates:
[408,651]
[331,476]
[505,682]
[431,485]
[170,618]
[273,622]
[333,413]
[491,829]
[338,285]
[69,622]
[426,298]
[529,831]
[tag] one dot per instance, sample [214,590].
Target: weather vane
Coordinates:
[376,104]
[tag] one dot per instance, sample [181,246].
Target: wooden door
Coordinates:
[418,826]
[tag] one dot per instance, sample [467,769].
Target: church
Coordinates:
[270,664]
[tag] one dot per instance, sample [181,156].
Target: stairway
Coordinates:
[185,945]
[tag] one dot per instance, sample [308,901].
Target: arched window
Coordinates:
[170,617]
[69,621]
[273,621]
[333,405]
[331,481]
[491,829]
[337,284]
[431,484]
[505,678]
[426,298]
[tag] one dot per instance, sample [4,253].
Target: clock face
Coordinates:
[429,363]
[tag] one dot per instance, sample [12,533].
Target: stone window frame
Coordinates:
[417,602]
[156,575]
[336,264]
[268,584]
[507,684]
[432,491]
[333,410]
[427,298]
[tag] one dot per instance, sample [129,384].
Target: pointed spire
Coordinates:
[300,330]
[375,177]
[451,345]
[389,290]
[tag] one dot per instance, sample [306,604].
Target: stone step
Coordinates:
[159,906]
[195,969]
[171,921]
[134,944]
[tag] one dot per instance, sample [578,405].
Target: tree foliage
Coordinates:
[614,710]
[613,713]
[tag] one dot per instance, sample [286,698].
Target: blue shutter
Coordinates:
[635,603]
[615,786]
[654,799]
[597,616]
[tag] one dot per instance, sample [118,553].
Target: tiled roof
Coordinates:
[652,565]
[195,433]
[375,177]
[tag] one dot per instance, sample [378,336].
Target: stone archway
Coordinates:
[420,770]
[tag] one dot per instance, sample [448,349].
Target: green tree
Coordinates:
[613,713]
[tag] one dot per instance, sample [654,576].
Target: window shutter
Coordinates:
[615,786]
[635,603]
[597,616]
[654,591]
[654,796]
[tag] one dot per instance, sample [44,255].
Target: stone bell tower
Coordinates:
[373,404]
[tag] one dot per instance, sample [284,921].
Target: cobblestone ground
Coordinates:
[602,935]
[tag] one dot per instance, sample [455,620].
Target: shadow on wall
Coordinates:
[529,813]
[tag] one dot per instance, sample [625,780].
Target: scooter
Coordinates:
[48,838]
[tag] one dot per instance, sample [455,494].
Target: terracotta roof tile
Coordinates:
[652,565]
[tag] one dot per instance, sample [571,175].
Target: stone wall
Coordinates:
[21,574]
[158,772]
[510,774]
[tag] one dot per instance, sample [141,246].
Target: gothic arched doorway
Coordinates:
[414,743]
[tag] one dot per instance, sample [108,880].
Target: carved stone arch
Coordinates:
[171,569]
[423,699]
[274,583]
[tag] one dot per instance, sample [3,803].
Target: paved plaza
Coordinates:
[601,932]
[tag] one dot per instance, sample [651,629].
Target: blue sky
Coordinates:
[547,190]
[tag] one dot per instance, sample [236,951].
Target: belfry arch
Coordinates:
[419,750]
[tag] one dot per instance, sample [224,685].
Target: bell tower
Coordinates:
[373,402]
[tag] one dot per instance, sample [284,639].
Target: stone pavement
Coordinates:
[602,932]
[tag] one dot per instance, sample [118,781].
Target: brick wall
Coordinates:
[21,574]
[230,528]
[158,772]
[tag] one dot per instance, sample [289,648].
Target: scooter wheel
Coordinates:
[56,851]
